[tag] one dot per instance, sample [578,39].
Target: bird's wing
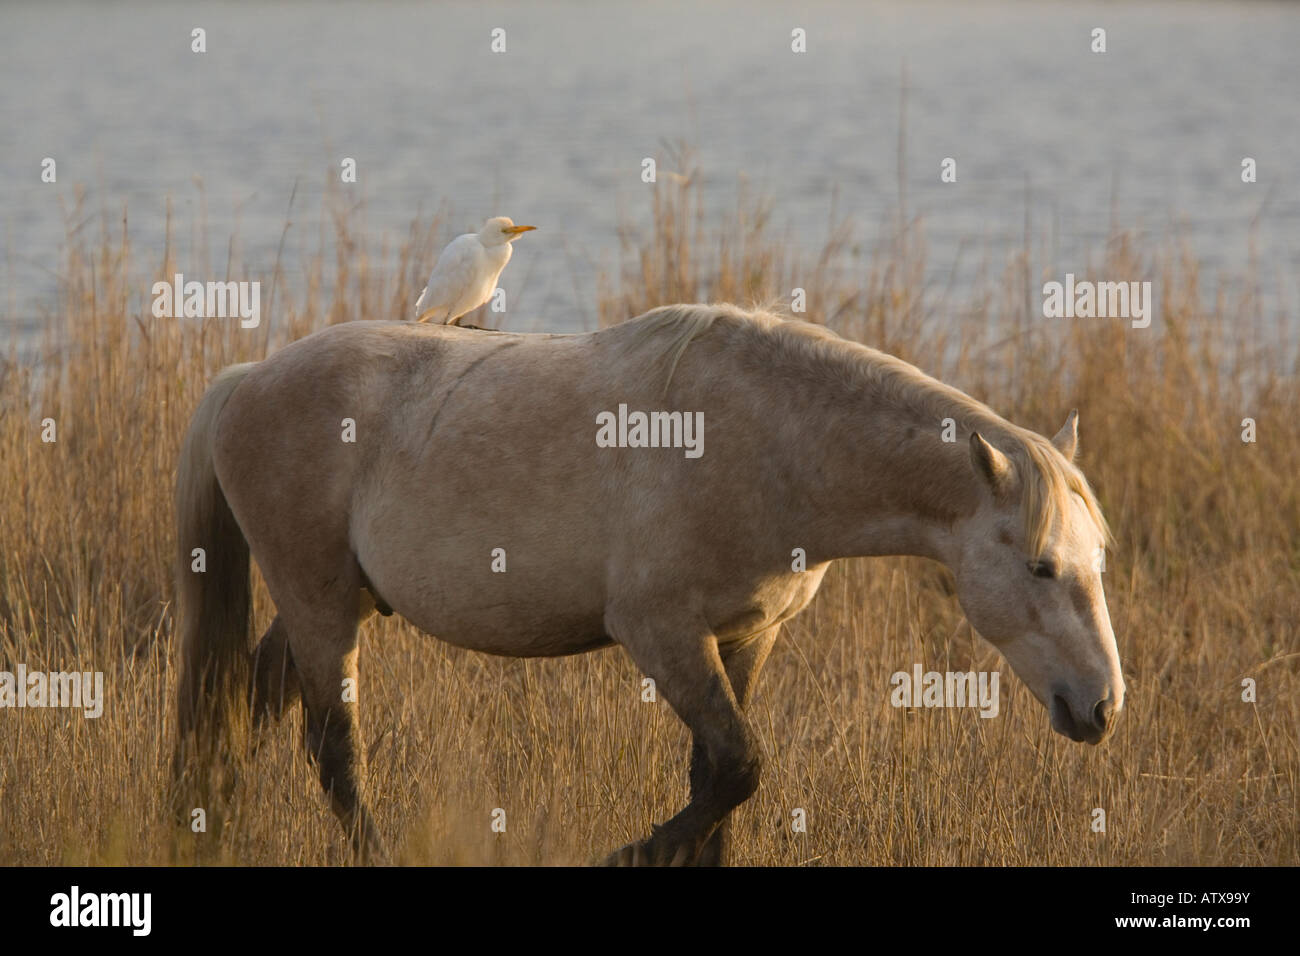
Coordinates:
[453,271]
[472,282]
[488,265]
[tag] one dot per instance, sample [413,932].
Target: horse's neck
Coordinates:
[890,483]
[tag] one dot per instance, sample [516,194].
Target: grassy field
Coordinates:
[1203,586]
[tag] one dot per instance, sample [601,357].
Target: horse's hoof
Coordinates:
[633,854]
[373,856]
[643,854]
[368,849]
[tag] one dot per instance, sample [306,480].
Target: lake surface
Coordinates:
[1150,134]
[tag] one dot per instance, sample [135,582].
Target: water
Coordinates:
[1151,133]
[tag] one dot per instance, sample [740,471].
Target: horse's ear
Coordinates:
[990,463]
[1067,439]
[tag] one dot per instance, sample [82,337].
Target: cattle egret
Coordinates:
[465,275]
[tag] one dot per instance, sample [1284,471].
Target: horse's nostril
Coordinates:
[1101,713]
[1061,716]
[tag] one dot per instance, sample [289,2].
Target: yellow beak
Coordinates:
[516,230]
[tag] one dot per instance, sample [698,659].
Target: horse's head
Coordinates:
[1028,567]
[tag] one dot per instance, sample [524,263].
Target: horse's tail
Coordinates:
[214,597]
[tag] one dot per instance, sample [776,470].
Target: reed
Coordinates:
[1203,585]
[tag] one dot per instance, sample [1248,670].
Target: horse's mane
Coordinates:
[1047,477]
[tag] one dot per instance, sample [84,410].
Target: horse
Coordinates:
[387,466]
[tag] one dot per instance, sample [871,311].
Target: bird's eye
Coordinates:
[1042,569]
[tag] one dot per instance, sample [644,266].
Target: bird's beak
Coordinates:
[516,230]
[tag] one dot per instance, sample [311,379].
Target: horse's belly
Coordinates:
[514,632]
[514,611]
[471,573]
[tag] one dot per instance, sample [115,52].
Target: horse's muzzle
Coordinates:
[1094,729]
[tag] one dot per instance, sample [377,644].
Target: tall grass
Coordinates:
[1202,586]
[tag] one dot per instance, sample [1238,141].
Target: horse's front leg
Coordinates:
[743,662]
[689,673]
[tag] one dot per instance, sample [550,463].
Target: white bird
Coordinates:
[465,275]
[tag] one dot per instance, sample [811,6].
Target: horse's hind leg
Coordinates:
[275,679]
[690,675]
[322,638]
[743,664]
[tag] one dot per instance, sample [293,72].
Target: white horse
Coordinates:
[470,449]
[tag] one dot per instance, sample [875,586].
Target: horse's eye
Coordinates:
[1042,569]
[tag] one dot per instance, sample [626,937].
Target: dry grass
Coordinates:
[1202,588]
